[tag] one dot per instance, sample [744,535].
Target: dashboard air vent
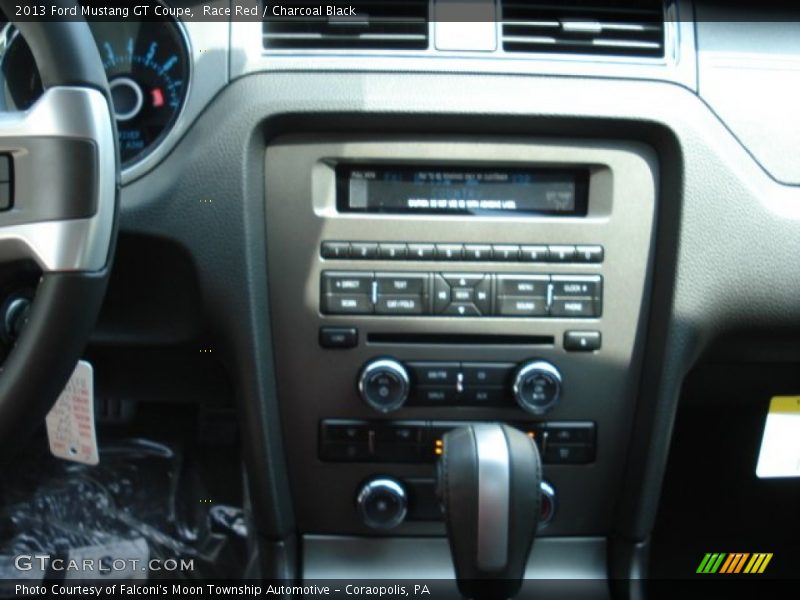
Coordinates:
[596,27]
[376,25]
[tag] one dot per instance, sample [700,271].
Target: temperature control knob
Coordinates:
[537,386]
[382,503]
[384,384]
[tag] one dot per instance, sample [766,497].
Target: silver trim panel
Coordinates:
[494,496]
[71,244]
[330,557]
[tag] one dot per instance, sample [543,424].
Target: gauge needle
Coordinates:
[158,97]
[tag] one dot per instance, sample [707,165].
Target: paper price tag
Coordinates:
[70,423]
[780,446]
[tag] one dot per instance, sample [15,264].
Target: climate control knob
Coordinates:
[537,386]
[384,384]
[382,503]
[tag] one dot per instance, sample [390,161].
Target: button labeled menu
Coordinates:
[522,285]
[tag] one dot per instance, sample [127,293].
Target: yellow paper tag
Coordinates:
[785,404]
[780,445]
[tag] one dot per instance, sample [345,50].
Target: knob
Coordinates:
[537,386]
[382,503]
[547,504]
[384,384]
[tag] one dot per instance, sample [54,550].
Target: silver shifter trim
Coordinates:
[494,490]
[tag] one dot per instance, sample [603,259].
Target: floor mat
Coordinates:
[139,514]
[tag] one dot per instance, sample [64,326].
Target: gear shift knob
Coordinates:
[489,477]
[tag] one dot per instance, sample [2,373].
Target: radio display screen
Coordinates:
[458,190]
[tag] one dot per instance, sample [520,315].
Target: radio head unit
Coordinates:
[458,190]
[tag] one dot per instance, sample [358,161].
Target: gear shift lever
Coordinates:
[489,476]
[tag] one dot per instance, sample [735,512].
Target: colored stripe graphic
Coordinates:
[711,562]
[733,563]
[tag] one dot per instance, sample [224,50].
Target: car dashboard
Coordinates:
[379,233]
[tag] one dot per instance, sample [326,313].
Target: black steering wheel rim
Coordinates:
[69,295]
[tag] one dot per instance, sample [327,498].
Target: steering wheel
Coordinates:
[61,160]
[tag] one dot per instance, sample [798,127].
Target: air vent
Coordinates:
[376,25]
[596,27]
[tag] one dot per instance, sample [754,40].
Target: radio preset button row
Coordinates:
[563,442]
[554,253]
[461,294]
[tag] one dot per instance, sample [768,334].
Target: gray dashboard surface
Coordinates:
[727,239]
[749,73]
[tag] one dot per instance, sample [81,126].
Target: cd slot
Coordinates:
[459,339]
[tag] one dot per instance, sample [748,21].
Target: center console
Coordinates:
[421,283]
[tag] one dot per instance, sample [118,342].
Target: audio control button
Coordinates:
[435,396]
[463,280]
[384,384]
[522,285]
[505,252]
[534,254]
[421,251]
[509,306]
[449,251]
[582,341]
[585,286]
[336,282]
[589,254]
[486,374]
[484,396]
[363,250]
[478,252]
[463,294]
[392,251]
[483,295]
[346,304]
[575,307]
[335,250]
[537,386]
[561,254]
[401,283]
[462,309]
[441,294]
[434,373]
[399,305]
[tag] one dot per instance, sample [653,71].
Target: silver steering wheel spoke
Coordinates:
[62,187]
